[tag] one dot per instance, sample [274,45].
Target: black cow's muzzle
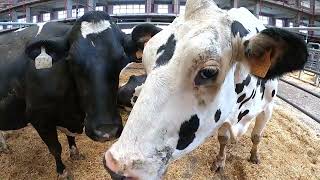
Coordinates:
[104,132]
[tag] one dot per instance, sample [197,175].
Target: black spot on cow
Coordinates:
[254,94]
[217,115]
[257,30]
[240,99]
[240,86]
[187,132]
[167,51]
[237,27]
[262,84]
[246,100]
[273,93]
[242,114]
[134,99]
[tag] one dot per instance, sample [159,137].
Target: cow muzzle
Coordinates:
[105,132]
[113,168]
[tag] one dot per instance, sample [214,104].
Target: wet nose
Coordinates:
[104,133]
[113,168]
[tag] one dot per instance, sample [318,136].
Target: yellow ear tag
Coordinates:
[43,61]
[260,66]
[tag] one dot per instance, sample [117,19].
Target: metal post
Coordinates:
[236,3]
[69,8]
[14,17]
[91,5]
[257,9]
[28,14]
[176,5]
[148,6]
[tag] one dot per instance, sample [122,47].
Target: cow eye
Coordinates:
[206,75]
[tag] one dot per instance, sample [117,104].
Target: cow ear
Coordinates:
[274,52]
[141,34]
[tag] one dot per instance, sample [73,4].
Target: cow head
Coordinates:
[88,55]
[98,52]
[190,91]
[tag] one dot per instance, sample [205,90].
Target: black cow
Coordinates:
[65,76]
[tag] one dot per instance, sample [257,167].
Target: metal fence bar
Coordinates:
[16,23]
[299,108]
[302,28]
[299,87]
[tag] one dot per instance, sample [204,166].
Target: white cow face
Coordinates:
[190,89]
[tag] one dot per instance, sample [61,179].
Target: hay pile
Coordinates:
[289,150]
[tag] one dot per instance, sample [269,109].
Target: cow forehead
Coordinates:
[189,41]
[94,27]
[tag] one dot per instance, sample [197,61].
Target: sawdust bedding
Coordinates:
[289,150]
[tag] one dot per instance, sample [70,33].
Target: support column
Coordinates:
[286,22]
[40,17]
[110,9]
[28,14]
[311,18]
[91,6]
[53,15]
[14,16]
[296,22]
[69,8]
[311,24]
[272,21]
[235,3]
[257,9]
[176,5]
[148,6]
[298,3]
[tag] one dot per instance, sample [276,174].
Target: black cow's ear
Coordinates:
[274,52]
[141,34]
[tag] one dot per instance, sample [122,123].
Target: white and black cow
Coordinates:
[210,71]
[63,76]
[129,92]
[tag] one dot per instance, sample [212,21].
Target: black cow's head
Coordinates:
[89,55]
[98,52]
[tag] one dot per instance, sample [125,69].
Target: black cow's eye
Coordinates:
[206,75]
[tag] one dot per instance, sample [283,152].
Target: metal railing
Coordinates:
[313,65]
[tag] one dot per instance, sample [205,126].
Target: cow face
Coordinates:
[190,88]
[98,52]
